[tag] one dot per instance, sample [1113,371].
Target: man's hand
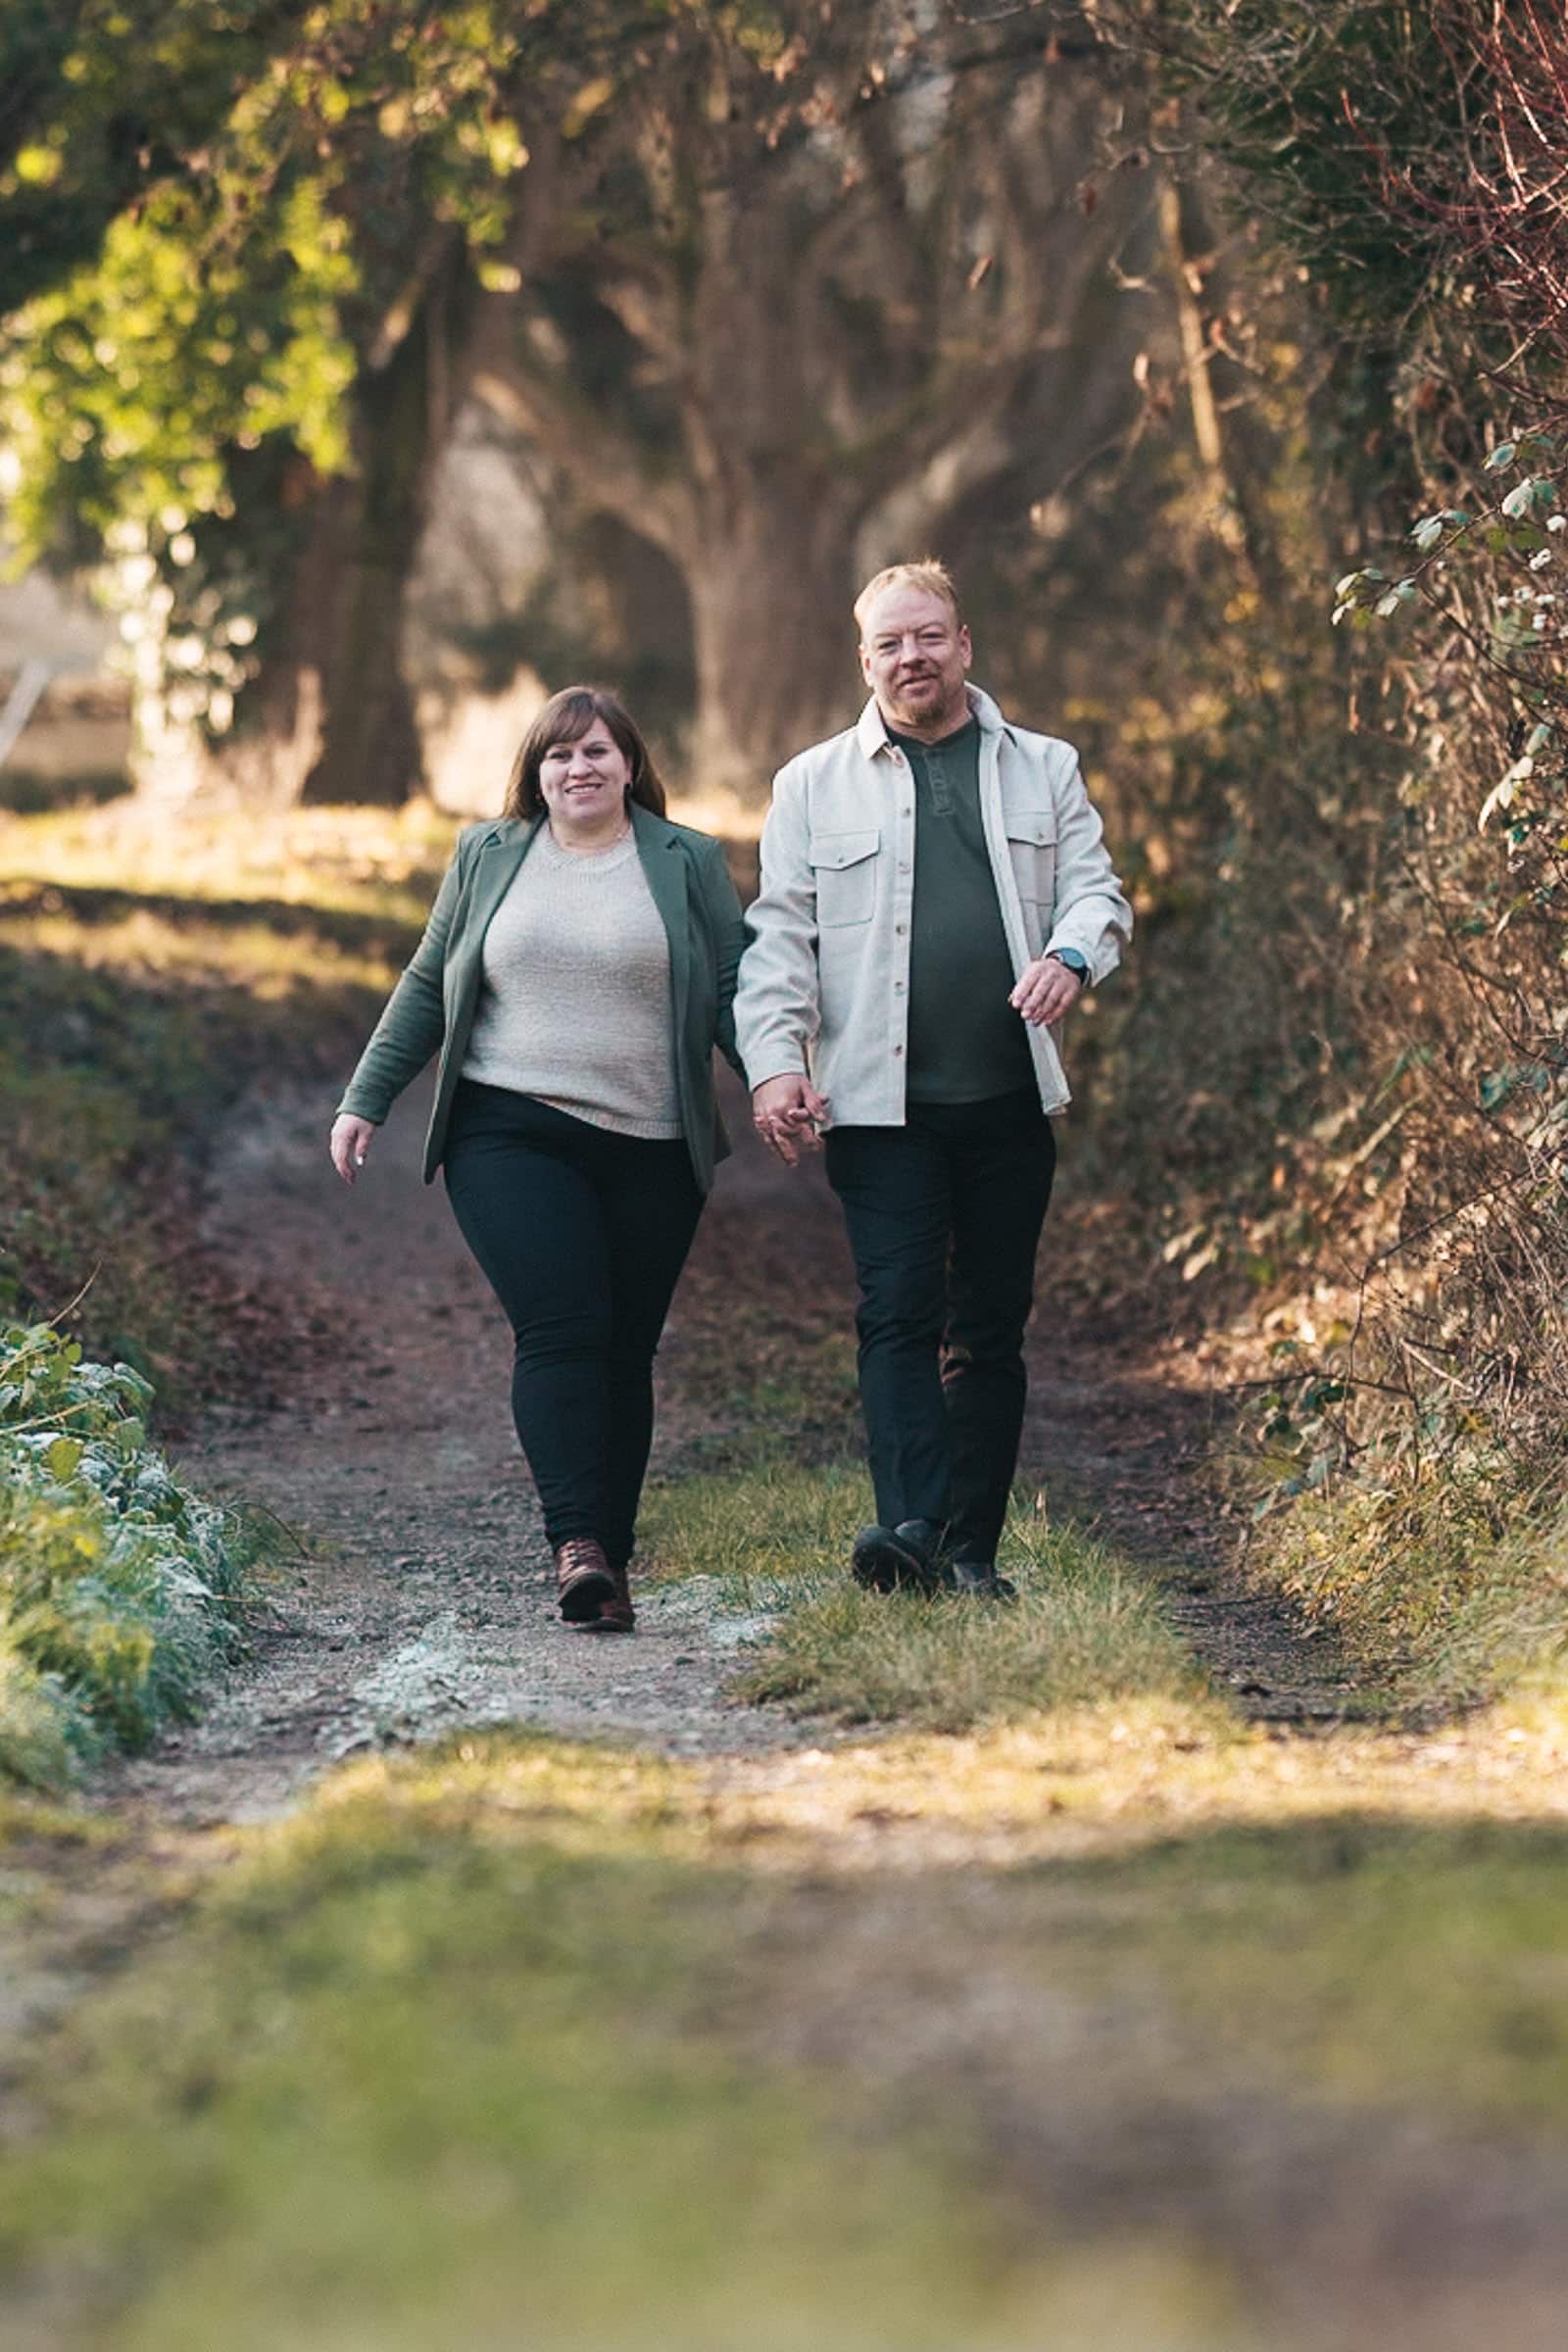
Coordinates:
[350,1145]
[786,1113]
[1045,991]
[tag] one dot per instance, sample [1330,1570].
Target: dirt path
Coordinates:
[423,1600]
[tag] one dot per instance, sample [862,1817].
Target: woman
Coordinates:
[576,974]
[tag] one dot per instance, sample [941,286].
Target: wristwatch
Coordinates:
[1077,965]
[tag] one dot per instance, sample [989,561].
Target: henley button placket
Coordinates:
[906,866]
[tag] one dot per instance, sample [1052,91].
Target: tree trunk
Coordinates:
[352,603]
[771,585]
[330,716]
[1232,445]
[792,349]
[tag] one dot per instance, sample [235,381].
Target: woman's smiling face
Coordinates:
[584,782]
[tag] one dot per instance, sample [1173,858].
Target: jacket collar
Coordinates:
[871,731]
[652,832]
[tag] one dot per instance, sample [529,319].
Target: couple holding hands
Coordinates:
[935,895]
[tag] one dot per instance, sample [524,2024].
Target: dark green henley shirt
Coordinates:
[966,1041]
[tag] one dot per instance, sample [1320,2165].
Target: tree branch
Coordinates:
[603,465]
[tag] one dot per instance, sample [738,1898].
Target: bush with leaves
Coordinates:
[1383,1070]
[119,1588]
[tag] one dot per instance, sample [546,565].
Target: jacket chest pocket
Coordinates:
[1032,847]
[843,866]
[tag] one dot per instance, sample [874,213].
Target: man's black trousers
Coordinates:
[944,1216]
[581,1234]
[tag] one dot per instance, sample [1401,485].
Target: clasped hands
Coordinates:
[787,1111]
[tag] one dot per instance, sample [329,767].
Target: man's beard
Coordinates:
[918,700]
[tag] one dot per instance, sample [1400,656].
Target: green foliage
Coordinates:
[1361,1143]
[175,389]
[119,1588]
[1487,579]
[1305,101]
[105,99]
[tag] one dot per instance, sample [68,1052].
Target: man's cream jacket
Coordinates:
[824,982]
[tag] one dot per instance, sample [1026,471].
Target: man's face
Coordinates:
[915,657]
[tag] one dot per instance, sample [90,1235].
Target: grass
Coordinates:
[147,974]
[513,2040]
[1509,1632]
[776,1540]
[1369,1957]
[768,1376]
[381,861]
[1447,1578]
[454,2060]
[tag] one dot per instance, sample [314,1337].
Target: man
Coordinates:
[935,895]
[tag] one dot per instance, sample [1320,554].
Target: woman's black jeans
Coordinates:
[582,1235]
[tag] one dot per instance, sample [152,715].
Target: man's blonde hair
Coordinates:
[933,578]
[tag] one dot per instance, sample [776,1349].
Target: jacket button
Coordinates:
[897,1051]
[900,928]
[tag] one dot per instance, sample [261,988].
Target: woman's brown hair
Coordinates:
[567,715]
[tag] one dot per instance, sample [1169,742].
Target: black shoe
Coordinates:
[980,1581]
[906,1558]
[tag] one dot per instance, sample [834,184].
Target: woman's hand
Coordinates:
[350,1144]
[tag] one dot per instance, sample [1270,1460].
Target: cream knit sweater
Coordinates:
[575,1004]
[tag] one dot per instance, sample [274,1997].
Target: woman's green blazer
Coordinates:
[432,1006]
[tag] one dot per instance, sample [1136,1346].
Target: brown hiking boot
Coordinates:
[584,1579]
[616,1615]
